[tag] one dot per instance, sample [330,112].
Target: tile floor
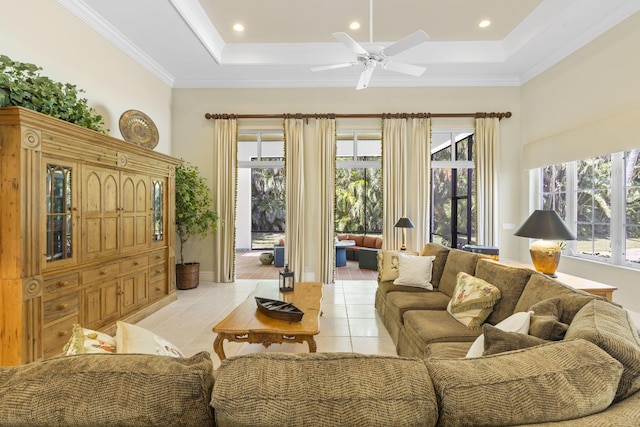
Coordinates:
[349,322]
[248,266]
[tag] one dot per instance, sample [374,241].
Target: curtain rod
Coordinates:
[500,116]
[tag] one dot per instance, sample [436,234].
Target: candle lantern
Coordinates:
[287,281]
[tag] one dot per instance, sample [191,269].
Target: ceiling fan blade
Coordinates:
[365,77]
[345,39]
[401,67]
[334,66]
[406,43]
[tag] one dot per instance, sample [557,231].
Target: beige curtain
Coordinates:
[486,146]
[326,138]
[419,191]
[394,168]
[294,171]
[225,161]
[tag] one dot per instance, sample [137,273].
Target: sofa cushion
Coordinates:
[510,280]
[369,241]
[378,244]
[541,287]
[517,322]
[108,389]
[431,326]
[415,271]
[457,261]
[496,340]
[545,321]
[551,382]
[441,253]
[398,303]
[449,350]
[319,389]
[473,300]
[611,328]
[388,286]
[358,239]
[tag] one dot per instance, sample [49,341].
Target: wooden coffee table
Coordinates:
[246,324]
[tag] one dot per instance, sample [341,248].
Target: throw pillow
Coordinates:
[517,322]
[473,300]
[415,271]
[86,341]
[499,341]
[388,265]
[557,381]
[545,321]
[134,339]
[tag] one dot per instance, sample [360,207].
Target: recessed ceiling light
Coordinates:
[354,25]
[238,27]
[484,23]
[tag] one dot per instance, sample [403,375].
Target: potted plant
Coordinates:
[194,217]
[22,85]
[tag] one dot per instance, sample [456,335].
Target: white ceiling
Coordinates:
[191,43]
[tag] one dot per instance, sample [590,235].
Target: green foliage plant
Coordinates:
[22,85]
[194,213]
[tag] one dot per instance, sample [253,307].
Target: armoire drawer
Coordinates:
[132,264]
[61,306]
[102,272]
[56,335]
[58,284]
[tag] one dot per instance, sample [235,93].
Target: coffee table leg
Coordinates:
[312,344]
[219,348]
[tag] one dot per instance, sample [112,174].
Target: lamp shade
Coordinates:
[404,222]
[545,224]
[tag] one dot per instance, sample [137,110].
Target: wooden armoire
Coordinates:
[87,233]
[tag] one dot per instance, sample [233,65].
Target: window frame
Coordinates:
[455,135]
[618,206]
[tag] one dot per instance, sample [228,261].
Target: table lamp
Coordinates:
[547,226]
[403,223]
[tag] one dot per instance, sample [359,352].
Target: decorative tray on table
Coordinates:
[279,309]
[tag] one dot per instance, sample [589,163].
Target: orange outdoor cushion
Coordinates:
[379,243]
[369,242]
[357,239]
[343,236]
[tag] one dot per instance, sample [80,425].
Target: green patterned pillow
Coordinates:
[388,265]
[473,300]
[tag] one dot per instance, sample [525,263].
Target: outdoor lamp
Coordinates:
[403,223]
[287,281]
[547,226]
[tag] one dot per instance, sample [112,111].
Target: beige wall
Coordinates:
[45,33]
[193,134]
[589,104]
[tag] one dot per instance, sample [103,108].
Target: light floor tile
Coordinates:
[349,322]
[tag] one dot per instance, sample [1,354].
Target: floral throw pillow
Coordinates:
[473,300]
[85,341]
[388,265]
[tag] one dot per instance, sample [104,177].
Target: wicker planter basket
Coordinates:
[187,275]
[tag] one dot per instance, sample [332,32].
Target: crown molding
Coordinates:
[196,18]
[106,30]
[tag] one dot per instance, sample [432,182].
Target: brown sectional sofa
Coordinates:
[589,378]
[365,250]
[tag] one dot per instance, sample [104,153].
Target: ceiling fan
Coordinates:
[378,55]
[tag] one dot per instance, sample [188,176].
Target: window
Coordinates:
[599,198]
[358,182]
[453,198]
[263,153]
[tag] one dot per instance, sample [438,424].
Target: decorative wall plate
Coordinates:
[137,127]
